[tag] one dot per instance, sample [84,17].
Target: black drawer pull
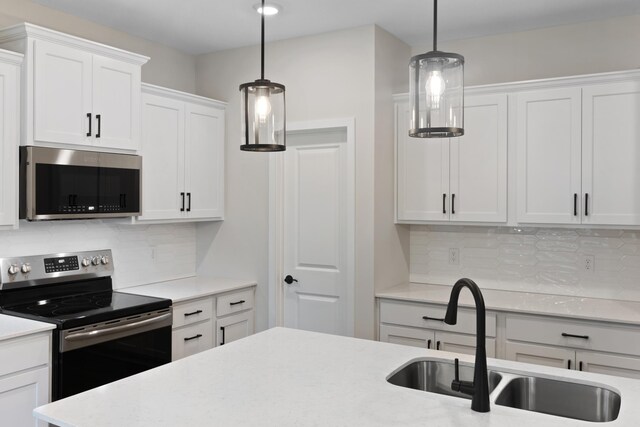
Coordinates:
[586,204]
[189,204]
[192,313]
[99,118]
[569,364]
[575,204]
[580,366]
[444,203]
[437,345]
[182,208]
[193,337]
[222,329]
[584,337]
[237,302]
[89,117]
[432,318]
[453,204]
[428,344]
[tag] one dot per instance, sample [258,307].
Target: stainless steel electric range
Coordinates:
[101,335]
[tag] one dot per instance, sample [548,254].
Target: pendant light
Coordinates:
[263,111]
[436,91]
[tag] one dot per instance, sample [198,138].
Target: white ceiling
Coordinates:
[200,26]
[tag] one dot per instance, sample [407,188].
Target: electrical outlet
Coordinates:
[589,263]
[454,256]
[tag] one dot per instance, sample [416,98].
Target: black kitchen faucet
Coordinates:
[479,388]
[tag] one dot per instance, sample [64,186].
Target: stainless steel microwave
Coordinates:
[73,184]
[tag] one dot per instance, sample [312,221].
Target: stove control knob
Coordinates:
[13,269]
[95,260]
[86,262]
[25,268]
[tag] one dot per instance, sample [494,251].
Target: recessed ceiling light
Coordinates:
[269,9]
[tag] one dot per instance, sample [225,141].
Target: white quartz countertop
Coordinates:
[286,377]
[13,327]
[190,288]
[523,302]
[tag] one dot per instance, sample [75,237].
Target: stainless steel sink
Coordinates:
[435,376]
[516,390]
[561,398]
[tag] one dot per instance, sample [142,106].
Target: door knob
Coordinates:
[289,280]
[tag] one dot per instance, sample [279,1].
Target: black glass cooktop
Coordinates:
[78,310]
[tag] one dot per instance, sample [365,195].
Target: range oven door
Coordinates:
[94,355]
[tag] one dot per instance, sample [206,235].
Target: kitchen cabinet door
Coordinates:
[556,357]
[20,394]
[479,162]
[205,161]
[63,86]
[9,125]
[611,154]
[116,103]
[548,139]
[461,343]
[422,174]
[608,364]
[234,327]
[162,153]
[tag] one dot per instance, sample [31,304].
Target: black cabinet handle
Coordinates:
[586,204]
[237,302]
[89,117]
[189,203]
[432,318]
[193,337]
[98,117]
[453,204]
[569,364]
[222,329]
[428,344]
[192,313]
[575,204]
[182,208]
[584,337]
[580,366]
[437,345]
[444,203]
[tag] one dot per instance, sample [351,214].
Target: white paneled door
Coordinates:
[316,231]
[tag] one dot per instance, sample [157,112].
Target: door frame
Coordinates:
[276,220]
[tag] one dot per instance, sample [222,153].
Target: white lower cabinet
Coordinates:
[598,347]
[203,323]
[24,379]
[421,325]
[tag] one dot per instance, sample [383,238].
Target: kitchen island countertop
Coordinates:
[286,377]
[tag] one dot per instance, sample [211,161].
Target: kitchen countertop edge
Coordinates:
[15,327]
[190,288]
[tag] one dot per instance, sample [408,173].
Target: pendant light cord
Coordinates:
[262,45]
[435,24]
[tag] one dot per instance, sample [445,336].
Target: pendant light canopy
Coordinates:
[436,91]
[263,111]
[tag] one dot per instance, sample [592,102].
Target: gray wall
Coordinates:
[168,67]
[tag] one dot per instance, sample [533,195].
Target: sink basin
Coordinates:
[561,398]
[435,376]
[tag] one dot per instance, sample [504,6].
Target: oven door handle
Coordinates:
[116,329]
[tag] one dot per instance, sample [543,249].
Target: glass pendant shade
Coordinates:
[436,92]
[263,116]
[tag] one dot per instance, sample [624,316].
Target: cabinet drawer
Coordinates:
[412,314]
[24,353]
[234,302]
[191,339]
[192,312]
[611,338]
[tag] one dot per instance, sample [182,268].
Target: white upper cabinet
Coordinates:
[460,179]
[611,154]
[548,151]
[182,156]
[76,92]
[9,137]
[578,152]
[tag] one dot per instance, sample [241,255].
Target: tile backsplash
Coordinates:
[541,260]
[141,253]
